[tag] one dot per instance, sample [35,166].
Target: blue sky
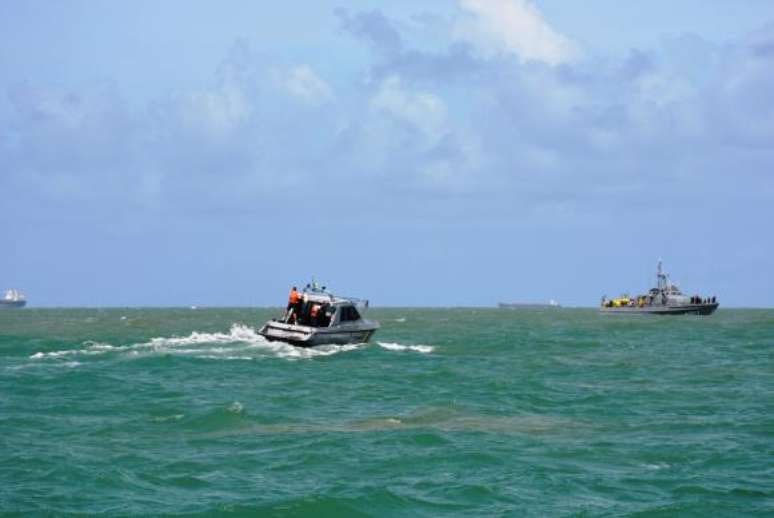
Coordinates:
[437,153]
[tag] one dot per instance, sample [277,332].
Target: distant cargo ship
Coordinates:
[13,299]
[665,299]
[529,305]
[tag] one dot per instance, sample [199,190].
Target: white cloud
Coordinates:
[215,112]
[302,82]
[514,26]
[421,110]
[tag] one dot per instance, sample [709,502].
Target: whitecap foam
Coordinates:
[655,467]
[220,357]
[95,347]
[55,354]
[174,417]
[392,346]
[34,365]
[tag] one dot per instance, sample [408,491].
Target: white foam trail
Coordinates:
[238,333]
[392,346]
[71,365]
[237,344]
[288,351]
[91,348]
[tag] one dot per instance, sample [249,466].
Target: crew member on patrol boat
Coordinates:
[293,301]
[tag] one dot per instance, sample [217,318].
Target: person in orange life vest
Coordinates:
[293,301]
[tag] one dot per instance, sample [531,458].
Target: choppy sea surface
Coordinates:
[446,412]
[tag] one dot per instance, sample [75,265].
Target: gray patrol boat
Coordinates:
[665,299]
[321,318]
[13,299]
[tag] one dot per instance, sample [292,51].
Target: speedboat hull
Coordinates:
[683,309]
[307,336]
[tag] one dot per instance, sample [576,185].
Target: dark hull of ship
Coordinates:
[12,304]
[305,336]
[685,309]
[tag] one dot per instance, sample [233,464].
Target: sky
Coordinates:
[440,153]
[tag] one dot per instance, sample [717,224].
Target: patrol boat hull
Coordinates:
[308,336]
[12,304]
[688,309]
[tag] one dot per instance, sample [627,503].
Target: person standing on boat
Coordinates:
[326,314]
[314,315]
[293,301]
[303,309]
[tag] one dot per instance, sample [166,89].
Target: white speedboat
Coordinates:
[321,318]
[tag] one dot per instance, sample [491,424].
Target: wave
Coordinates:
[392,346]
[68,365]
[240,343]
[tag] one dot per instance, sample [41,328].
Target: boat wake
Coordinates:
[240,343]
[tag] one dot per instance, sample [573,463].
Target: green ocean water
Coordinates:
[446,412]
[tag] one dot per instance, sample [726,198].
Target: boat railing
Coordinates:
[358,303]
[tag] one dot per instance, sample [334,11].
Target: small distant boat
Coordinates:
[13,299]
[665,299]
[552,304]
[322,318]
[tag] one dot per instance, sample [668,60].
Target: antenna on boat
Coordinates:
[661,278]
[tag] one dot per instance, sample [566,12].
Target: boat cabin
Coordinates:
[318,308]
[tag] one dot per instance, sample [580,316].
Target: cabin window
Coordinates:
[349,314]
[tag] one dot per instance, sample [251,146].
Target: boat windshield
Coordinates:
[349,314]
